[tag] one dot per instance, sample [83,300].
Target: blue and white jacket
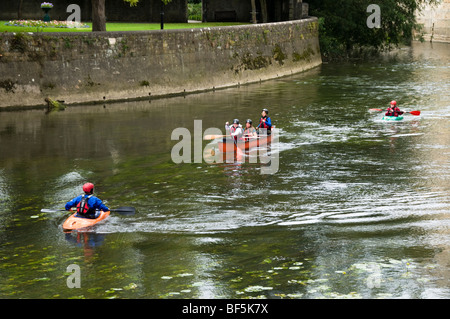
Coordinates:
[93,202]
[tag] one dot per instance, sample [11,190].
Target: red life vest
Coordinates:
[262,123]
[233,130]
[395,111]
[83,206]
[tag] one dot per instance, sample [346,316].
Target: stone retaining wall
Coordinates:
[110,66]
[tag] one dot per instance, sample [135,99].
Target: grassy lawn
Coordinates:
[119,27]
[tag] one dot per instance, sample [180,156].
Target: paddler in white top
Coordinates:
[235,130]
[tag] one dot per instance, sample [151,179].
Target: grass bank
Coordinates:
[112,26]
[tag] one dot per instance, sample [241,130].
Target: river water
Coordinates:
[358,207]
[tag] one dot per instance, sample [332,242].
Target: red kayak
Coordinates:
[229,145]
[74,222]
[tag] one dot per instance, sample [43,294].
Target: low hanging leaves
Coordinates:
[133,3]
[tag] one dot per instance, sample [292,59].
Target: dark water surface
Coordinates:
[359,208]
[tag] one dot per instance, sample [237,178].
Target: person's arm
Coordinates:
[238,132]
[269,122]
[72,203]
[99,205]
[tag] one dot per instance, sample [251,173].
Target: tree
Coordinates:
[19,11]
[263,5]
[343,27]
[99,16]
[263,11]
[253,11]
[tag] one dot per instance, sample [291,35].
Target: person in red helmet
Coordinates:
[87,204]
[393,110]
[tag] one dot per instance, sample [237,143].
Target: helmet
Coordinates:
[249,121]
[266,110]
[394,103]
[88,187]
[235,121]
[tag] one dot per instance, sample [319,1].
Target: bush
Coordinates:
[195,11]
[344,31]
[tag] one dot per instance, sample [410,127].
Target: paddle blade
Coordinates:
[415,113]
[124,210]
[375,110]
[44,210]
[212,137]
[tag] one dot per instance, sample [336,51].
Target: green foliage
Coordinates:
[278,54]
[54,105]
[195,11]
[135,2]
[343,29]
[132,2]
[20,42]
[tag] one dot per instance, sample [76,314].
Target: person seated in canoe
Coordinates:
[393,110]
[249,131]
[87,204]
[235,130]
[265,122]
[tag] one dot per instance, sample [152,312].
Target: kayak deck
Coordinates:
[392,118]
[74,222]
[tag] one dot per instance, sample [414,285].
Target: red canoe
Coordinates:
[228,144]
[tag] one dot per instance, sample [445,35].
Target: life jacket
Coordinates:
[83,206]
[263,124]
[395,111]
[233,130]
[248,132]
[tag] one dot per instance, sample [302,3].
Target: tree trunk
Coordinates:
[253,12]
[263,10]
[98,15]
[19,13]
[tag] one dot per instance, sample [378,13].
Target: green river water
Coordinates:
[358,208]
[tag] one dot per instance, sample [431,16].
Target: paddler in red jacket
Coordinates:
[393,110]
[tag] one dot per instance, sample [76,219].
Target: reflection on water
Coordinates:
[357,209]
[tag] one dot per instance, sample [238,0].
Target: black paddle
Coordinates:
[124,210]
